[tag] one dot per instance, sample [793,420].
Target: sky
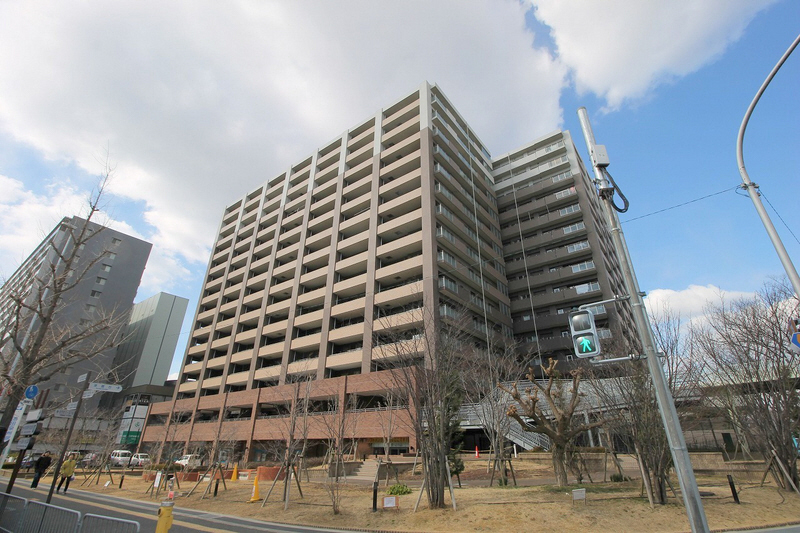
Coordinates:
[196,103]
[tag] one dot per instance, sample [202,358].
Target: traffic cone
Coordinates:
[235,475]
[255,496]
[477,453]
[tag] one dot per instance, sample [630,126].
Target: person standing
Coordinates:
[40,467]
[67,469]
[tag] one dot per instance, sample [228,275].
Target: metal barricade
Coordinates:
[45,518]
[93,523]
[11,510]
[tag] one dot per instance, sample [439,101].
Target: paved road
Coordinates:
[184,520]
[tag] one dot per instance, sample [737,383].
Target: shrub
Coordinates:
[619,478]
[398,489]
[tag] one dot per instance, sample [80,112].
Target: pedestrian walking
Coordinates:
[67,469]
[40,466]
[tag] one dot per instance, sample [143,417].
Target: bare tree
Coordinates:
[388,422]
[337,424]
[37,340]
[558,419]
[753,373]
[488,370]
[426,361]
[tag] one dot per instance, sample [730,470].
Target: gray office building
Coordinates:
[109,267]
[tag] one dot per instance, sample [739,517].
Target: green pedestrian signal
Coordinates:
[584,334]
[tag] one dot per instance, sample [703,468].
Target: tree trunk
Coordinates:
[559,454]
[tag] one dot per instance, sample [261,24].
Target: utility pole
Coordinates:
[86,378]
[752,188]
[666,404]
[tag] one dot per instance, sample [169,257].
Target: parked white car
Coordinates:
[140,459]
[120,458]
[191,460]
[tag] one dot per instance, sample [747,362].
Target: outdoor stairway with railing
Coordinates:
[366,472]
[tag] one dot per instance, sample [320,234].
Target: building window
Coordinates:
[112,255]
[95,294]
[91,308]
[100,281]
[569,209]
[115,241]
[106,268]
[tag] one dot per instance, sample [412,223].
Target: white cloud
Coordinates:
[620,50]
[201,102]
[26,218]
[689,303]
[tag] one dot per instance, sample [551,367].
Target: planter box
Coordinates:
[268,473]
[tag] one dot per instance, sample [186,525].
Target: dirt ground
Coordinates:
[610,507]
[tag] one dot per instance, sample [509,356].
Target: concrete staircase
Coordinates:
[365,473]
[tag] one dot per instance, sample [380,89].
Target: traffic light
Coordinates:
[584,334]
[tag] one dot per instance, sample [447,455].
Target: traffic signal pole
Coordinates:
[666,404]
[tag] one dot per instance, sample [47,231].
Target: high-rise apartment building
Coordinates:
[350,249]
[106,269]
[558,252]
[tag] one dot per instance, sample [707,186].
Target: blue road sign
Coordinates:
[796,339]
[31,392]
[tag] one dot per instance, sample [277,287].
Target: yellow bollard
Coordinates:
[235,475]
[164,517]
[255,496]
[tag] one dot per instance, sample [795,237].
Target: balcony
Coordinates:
[312,297]
[247,337]
[363,137]
[353,264]
[275,327]
[271,351]
[346,360]
[305,366]
[320,240]
[254,299]
[189,386]
[243,356]
[403,269]
[193,368]
[310,320]
[317,259]
[401,247]
[400,295]
[347,334]
[239,378]
[217,362]
[212,383]
[197,349]
[401,350]
[269,372]
[353,245]
[348,309]
[221,343]
[284,287]
[350,286]
[306,342]
[279,308]
[403,320]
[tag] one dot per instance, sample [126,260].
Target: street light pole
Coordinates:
[752,188]
[666,404]
[57,470]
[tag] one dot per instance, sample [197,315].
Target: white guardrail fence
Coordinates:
[18,515]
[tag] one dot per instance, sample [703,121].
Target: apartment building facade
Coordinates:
[106,272]
[372,239]
[558,251]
